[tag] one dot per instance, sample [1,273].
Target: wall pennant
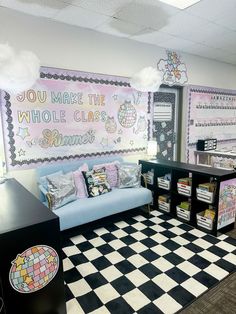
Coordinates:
[174,71]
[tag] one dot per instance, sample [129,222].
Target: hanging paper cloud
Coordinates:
[146,80]
[17,72]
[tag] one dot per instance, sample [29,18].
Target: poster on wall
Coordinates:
[70,115]
[211,114]
[165,122]
[227,203]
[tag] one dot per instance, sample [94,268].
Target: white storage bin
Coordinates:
[205,196]
[150,177]
[162,183]
[183,213]
[164,206]
[204,222]
[184,189]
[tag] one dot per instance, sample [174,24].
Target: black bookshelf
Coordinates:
[27,223]
[199,175]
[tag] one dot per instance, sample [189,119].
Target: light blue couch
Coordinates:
[82,211]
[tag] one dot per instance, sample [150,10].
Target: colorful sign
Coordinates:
[71,115]
[227,203]
[174,71]
[33,269]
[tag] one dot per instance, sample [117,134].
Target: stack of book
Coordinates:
[185,205]
[209,213]
[185,181]
[164,198]
[209,187]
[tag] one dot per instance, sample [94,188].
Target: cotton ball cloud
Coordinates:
[147,80]
[18,72]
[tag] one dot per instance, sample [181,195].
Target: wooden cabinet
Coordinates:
[31,275]
[167,181]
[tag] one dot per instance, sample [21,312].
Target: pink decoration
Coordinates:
[79,181]
[111,172]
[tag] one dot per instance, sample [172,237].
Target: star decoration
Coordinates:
[19,260]
[120,131]
[131,142]
[21,152]
[28,279]
[51,259]
[115,97]
[23,132]
[104,142]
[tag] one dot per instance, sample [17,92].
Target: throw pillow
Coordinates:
[96,182]
[111,172]
[61,190]
[43,180]
[81,190]
[129,176]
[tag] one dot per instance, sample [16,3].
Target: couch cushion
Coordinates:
[111,172]
[61,190]
[43,180]
[81,189]
[86,210]
[129,176]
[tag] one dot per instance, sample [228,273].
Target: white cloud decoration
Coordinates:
[147,80]
[18,72]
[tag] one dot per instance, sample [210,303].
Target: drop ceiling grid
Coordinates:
[207,28]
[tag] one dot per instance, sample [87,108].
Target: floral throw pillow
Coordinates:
[129,176]
[96,182]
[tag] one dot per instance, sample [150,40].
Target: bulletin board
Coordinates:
[211,114]
[71,115]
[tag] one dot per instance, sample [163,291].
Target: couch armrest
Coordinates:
[43,192]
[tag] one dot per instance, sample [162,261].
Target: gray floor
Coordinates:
[221,299]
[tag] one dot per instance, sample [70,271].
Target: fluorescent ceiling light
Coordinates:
[180,4]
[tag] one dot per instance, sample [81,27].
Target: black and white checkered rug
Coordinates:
[142,264]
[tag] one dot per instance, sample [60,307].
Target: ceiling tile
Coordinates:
[45,8]
[228,20]
[119,28]
[144,13]
[205,51]
[168,9]
[152,36]
[106,7]
[229,59]
[177,44]
[80,17]
[225,41]
[212,9]
[182,24]
[203,33]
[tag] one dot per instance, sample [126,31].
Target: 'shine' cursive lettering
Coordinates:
[54,138]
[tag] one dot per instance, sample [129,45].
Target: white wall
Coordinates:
[63,46]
